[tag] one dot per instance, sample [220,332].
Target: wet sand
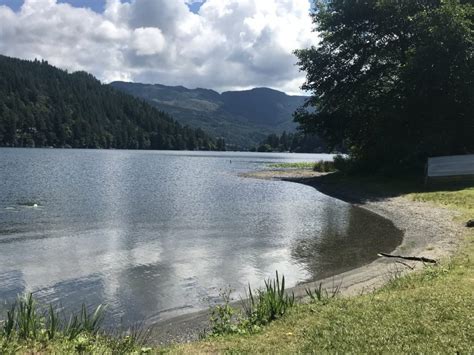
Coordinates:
[429,231]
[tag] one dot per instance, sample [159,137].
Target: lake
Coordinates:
[156,234]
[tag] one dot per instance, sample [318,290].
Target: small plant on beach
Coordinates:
[322,295]
[260,307]
[73,327]
[84,322]
[52,323]
[30,326]
[91,323]
[9,322]
[25,321]
[223,316]
[138,334]
[268,304]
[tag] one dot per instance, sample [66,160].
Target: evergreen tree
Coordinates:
[293,142]
[44,106]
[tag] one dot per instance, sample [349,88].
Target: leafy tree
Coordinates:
[392,79]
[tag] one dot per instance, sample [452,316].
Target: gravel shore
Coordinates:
[429,231]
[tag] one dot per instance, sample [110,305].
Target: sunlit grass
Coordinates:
[300,165]
[322,166]
[425,313]
[462,200]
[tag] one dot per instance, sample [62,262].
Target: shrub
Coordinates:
[261,307]
[322,295]
[343,164]
[268,304]
[323,166]
[223,317]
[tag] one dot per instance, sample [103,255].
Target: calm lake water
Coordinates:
[157,234]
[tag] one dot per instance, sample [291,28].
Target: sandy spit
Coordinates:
[429,231]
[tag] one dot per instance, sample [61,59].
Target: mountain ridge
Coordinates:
[243,118]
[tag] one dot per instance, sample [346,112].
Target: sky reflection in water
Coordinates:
[157,234]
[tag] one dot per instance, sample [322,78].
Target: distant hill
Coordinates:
[43,106]
[243,118]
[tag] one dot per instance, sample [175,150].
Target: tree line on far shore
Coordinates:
[297,142]
[42,106]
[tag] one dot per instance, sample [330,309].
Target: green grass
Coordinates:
[84,343]
[320,166]
[301,165]
[430,311]
[461,200]
[30,328]
[416,314]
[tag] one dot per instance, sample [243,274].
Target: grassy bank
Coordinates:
[428,311]
[301,165]
[320,166]
[84,344]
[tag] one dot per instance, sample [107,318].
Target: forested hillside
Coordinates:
[42,106]
[297,142]
[243,118]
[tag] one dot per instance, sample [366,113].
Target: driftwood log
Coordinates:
[412,258]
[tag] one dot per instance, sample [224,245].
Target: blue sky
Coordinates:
[223,45]
[96,5]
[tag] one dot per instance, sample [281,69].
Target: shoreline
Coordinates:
[429,231]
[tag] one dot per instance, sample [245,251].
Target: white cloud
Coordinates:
[148,41]
[229,44]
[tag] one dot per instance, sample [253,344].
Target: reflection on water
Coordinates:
[345,242]
[156,234]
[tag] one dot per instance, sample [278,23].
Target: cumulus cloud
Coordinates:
[148,41]
[228,44]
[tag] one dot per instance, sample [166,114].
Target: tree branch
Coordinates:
[413,258]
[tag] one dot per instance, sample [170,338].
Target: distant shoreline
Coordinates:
[428,231]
